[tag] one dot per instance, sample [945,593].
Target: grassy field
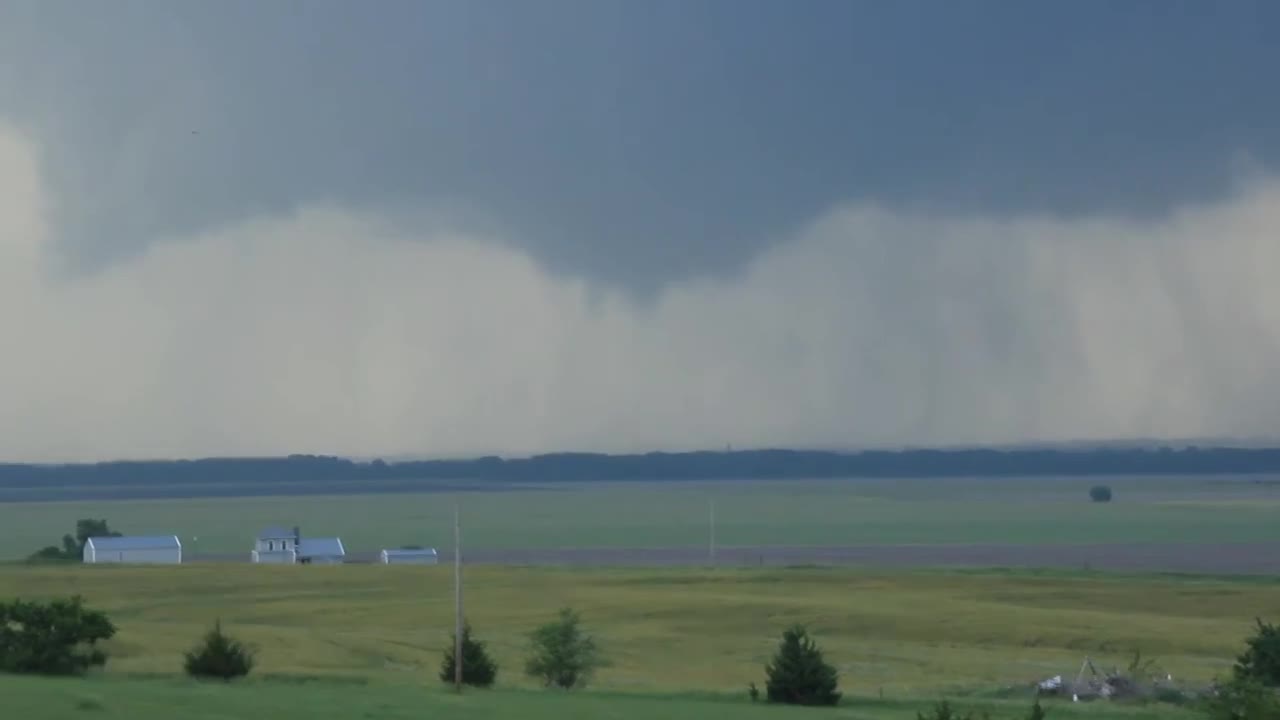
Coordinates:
[902,634]
[132,699]
[1013,511]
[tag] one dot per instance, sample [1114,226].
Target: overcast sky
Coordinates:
[450,227]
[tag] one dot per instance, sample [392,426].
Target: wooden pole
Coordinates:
[457,600]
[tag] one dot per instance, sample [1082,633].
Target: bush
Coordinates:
[562,655]
[478,669]
[1261,659]
[798,675]
[54,638]
[1037,711]
[1243,699]
[1100,493]
[219,656]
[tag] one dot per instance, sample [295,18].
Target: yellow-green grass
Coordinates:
[903,634]
[849,512]
[139,699]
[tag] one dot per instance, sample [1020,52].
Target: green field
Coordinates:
[365,641]
[157,700]
[673,630]
[1019,511]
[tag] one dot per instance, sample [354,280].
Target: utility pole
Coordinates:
[457,600]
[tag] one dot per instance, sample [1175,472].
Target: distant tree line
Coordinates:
[748,464]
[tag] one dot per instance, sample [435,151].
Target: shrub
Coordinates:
[1261,659]
[219,656]
[1037,711]
[1100,493]
[1243,699]
[798,675]
[562,655]
[478,669]
[54,638]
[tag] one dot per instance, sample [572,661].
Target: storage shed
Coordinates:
[321,551]
[151,549]
[421,556]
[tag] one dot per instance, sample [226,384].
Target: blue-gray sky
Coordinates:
[633,142]
[644,151]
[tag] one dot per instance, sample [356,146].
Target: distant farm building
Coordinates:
[276,546]
[279,546]
[158,549]
[405,556]
[321,551]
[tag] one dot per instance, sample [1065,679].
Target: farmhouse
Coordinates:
[279,546]
[159,549]
[276,546]
[406,556]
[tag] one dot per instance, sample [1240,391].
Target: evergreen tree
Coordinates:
[219,656]
[798,675]
[478,669]
[1261,659]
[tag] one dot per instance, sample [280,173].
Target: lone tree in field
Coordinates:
[798,675]
[1100,493]
[478,669]
[562,656]
[54,638]
[219,656]
[1260,660]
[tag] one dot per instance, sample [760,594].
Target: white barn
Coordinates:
[321,551]
[419,556]
[155,549]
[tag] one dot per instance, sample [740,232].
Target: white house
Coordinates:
[420,556]
[276,546]
[160,549]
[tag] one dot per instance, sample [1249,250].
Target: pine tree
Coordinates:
[1261,659]
[798,675]
[219,656]
[478,669]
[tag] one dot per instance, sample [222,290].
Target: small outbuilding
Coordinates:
[138,549]
[405,556]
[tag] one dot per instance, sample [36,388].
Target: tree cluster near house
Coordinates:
[72,547]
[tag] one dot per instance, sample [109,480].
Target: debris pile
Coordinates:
[1140,680]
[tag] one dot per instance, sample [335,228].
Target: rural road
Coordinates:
[1216,558]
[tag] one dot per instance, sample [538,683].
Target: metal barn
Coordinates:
[156,549]
[321,551]
[424,556]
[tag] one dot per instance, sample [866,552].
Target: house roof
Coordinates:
[136,542]
[275,532]
[321,547]
[405,552]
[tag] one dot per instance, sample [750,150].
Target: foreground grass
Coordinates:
[900,634]
[135,699]
[793,512]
